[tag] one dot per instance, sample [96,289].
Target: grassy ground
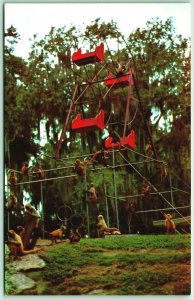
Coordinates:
[133,265]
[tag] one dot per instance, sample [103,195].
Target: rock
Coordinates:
[43,243]
[21,282]
[29,262]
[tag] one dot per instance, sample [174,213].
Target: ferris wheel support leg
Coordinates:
[107,210]
[63,131]
[115,189]
[87,206]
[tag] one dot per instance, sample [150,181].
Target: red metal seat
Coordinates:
[127,141]
[79,125]
[121,81]
[90,57]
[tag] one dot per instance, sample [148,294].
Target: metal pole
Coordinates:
[115,189]
[8,154]
[171,192]
[129,223]
[127,112]
[107,211]
[42,202]
[129,213]
[87,206]
[8,221]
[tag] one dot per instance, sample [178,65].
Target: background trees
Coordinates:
[38,93]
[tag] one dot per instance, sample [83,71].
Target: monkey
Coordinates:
[146,190]
[163,171]
[20,230]
[80,166]
[57,234]
[115,136]
[101,157]
[39,173]
[87,162]
[12,202]
[75,236]
[12,178]
[148,150]
[25,168]
[128,208]
[104,228]
[120,70]
[169,224]
[16,245]
[92,192]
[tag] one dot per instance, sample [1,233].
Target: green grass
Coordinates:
[144,241]
[151,258]
[131,265]
[139,283]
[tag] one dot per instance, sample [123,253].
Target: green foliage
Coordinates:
[161,61]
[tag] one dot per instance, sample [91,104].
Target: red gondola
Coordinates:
[90,57]
[121,81]
[79,125]
[127,141]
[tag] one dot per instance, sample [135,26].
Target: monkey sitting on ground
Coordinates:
[104,228]
[57,234]
[75,236]
[16,245]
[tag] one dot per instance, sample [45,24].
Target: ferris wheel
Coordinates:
[103,101]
